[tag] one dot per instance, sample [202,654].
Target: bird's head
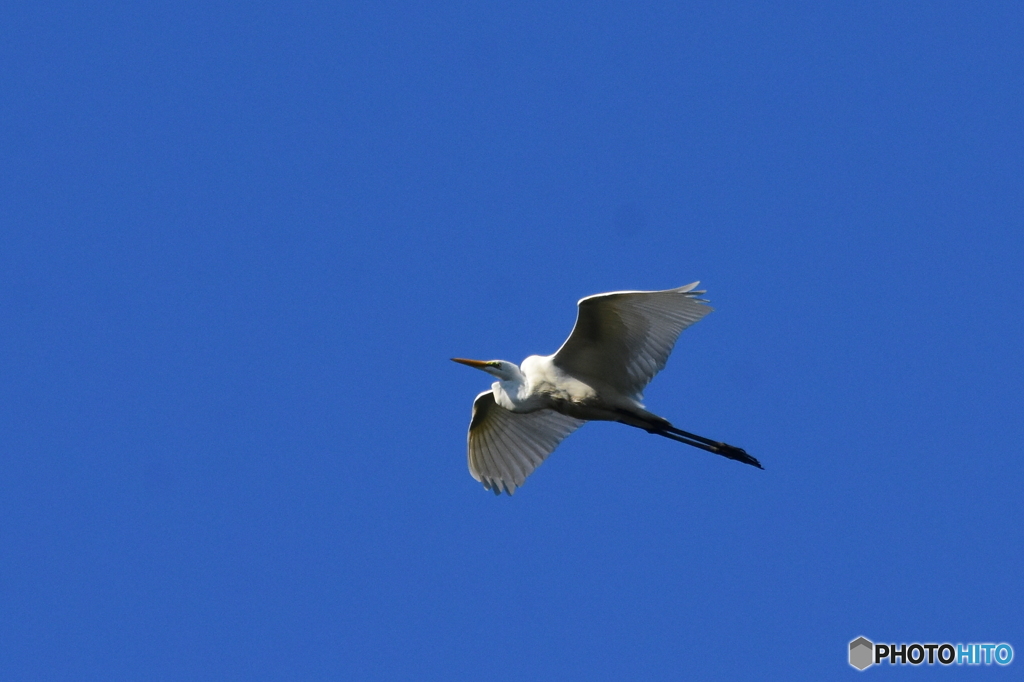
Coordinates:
[504,370]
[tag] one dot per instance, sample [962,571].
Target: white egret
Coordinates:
[620,341]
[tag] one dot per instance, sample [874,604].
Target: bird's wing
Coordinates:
[505,447]
[623,338]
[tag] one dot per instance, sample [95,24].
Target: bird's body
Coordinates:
[620,341]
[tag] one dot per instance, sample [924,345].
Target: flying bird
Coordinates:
[620,341]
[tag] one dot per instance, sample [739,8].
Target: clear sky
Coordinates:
[241,241]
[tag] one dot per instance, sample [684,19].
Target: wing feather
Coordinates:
[505,447]
[623,338]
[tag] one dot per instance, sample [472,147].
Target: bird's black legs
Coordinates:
[652,423]
[723,449]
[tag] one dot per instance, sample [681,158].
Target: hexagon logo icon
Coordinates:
[862,653]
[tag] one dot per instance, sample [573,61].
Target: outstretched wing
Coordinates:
[623,338]
[505,447]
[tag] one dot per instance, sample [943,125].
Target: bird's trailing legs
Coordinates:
[662,427]
[723,449]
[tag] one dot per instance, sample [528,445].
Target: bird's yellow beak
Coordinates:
[479,364]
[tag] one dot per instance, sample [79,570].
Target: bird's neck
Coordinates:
[512,394]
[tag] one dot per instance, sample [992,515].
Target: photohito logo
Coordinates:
[864,653]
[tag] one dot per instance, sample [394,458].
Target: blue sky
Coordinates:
[241,242]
